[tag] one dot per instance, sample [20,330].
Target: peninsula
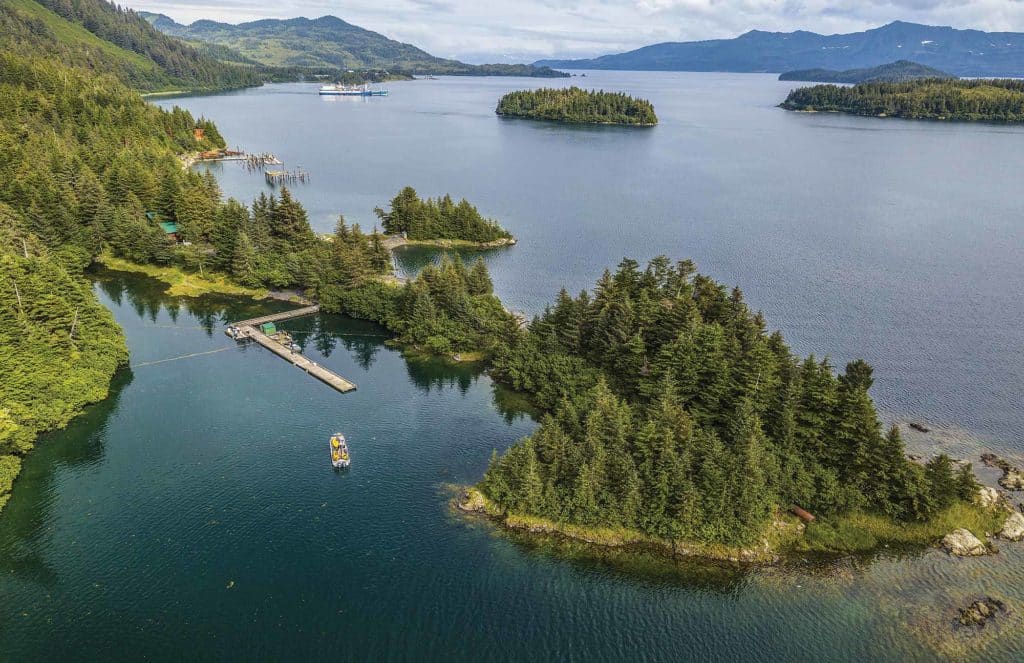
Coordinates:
[674,417]
[975,100]
[894,72]
[578,106]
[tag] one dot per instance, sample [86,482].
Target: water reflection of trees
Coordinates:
[512,404]
[326,333]
[147,297]
[27,520]
[430,373]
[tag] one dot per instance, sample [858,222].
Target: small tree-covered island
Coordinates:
[977,100]
[575,105]
[440,222]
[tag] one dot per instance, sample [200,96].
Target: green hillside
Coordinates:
[85,158]
[98,36]
[328,41]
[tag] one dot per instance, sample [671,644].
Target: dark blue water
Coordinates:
[195,515]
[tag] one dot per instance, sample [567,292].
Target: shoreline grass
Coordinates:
[863,532]
[182,283]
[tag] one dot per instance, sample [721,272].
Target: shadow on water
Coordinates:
[513,405]
[26,518]
[362,338]
[410,260]
[636,564]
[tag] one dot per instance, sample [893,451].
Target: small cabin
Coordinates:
[170,229]
[199,134]
[268,328]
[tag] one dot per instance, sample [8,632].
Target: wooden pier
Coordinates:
[286,176]
[249,330]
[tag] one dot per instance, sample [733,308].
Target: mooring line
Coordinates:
[189,356]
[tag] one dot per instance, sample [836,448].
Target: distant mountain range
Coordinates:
[959,52]
[327,41]
[894,72]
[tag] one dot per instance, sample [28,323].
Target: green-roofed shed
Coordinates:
[268,328]
[169,227]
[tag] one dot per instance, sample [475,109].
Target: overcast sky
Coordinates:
[524,30]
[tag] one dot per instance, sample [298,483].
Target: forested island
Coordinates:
[441,221]
[578,106]
[966,100]
[894,72]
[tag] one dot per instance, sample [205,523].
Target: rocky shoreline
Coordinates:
[471,501]
[392,242]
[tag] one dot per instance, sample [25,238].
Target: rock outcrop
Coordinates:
[1013,477]
[962,543]
[472,501]
[1013,528]
[981,612]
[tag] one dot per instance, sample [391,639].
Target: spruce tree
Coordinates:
[478,281]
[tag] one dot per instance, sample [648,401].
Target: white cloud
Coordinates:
[523,30]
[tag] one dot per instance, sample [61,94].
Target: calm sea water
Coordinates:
[194,514]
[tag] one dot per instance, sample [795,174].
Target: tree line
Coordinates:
[948,99]
[76,148]
[575,104]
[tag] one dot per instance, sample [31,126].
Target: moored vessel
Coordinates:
[339,90]
[339,451]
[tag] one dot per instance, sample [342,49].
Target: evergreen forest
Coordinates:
[941,99]
[442,218]
[673,411]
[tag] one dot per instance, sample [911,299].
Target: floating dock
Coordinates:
[249,330]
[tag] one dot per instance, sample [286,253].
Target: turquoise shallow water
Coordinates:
[194,514]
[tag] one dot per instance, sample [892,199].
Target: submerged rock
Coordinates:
[981,612]
[1013,528]
[962,543]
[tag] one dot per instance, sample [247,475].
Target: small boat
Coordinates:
[339,451]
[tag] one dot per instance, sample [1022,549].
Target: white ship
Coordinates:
[351,91]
